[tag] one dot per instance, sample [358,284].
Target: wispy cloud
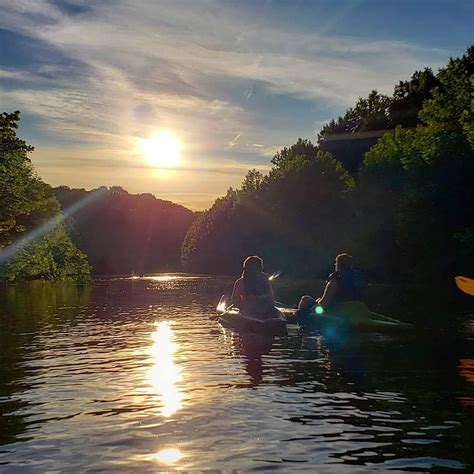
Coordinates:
[140,66]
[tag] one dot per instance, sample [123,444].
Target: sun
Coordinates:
[161,150]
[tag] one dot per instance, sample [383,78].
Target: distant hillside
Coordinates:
[125,233]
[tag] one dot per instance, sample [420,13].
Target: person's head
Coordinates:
[253,264]
[343,260]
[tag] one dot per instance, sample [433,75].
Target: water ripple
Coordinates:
[131,374]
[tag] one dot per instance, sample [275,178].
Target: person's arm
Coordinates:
[237,292]
[328,294]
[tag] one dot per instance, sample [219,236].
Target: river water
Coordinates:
[132,375]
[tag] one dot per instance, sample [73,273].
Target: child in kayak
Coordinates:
[252,292]
[344,284]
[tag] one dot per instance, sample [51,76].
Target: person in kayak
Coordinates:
[252,292]
[344,284]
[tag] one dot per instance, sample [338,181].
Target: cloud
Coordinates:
[271,151]
[139,66]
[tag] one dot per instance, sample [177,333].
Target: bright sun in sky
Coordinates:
[161,150]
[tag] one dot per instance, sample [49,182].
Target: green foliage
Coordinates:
[451,108]
[373,116]
[8,138]
[409,96]
[427,175]
[26,204]
[289,216]
[210,244]
[371,113]
[300,148]
[408,214]
[54,257]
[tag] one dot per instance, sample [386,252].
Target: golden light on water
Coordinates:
[168,456]
[165,374]
[156,277]
[163,278]
[161,150]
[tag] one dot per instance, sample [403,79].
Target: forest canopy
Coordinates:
[126,233]
[33,238]
[402,201]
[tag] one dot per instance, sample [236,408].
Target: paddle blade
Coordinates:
[465,284]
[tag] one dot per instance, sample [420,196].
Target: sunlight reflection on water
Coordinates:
[165,374]
[147,382]
[168,456]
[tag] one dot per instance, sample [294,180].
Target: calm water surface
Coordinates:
[132,375]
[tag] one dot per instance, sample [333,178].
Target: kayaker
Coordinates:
[252,292]
[344,284]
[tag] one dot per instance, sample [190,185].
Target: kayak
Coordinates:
[275,324]
[348,317]
[355,316]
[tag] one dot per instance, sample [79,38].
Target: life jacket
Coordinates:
[350,283]
[255,284]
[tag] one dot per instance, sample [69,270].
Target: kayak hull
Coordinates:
[347,317]
[355,316]
[234,320]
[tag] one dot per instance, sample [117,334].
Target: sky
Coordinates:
[232,81]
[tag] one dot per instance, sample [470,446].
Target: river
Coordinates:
[133,375]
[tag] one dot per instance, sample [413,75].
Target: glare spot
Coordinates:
[168,456]
[161,149]
[319,310]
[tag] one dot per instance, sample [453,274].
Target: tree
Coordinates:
[125,233]
[28,205]
[427,175]
[409,96]
[294,217]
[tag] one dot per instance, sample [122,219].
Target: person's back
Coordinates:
[253,293]
[345,284]
[350,284]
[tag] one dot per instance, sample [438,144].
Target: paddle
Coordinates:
[465,284]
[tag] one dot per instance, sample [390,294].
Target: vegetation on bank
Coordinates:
[403,204]
[33,239]
[122,233]
[396,191]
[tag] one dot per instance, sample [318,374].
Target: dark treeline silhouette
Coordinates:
[404,207]
[125,233]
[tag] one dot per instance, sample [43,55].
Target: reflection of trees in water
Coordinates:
[24,310]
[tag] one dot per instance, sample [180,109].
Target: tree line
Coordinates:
[62,233]
[123,233]
[390,181]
